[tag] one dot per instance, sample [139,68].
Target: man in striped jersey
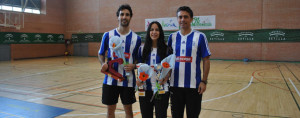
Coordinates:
[112,88]
[186,84]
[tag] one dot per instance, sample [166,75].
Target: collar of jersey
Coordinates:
[187,34]
[121,34]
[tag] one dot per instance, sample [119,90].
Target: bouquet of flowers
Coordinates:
[115,43]
[167,64]
[144,72]
[162,70]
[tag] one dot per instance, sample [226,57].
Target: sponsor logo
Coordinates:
[61,38]
[184,59]
[277,36]
[89,37]
[74,38]
[217,36]
[24,38]
[9,36]
[37,37]
[245,34]
[201,22]
[277,33]
[50,38]
[168,23]
[126,55]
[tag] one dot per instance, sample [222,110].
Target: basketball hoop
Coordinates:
[12,19]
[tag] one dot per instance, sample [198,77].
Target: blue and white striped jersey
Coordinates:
[131,44]
[189,50]
[153,59]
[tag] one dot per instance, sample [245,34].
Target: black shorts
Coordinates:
[185,97]
[110,95]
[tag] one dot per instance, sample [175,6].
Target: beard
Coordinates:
[125,23]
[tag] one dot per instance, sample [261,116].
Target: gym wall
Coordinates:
[53,22]
[98,16]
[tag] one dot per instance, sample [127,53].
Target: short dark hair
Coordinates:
[185,8]
[124,6]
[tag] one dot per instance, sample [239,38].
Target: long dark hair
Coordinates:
[161,45]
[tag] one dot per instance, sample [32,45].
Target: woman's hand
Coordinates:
[163,81]
[129,67]
[138,83]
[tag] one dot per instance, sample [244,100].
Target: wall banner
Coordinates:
[30,38]
[171,23]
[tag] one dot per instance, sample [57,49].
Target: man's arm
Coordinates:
[206,68]
[101,59]
[103,51]
[104,65]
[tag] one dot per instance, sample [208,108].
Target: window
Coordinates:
[18,9]
[27,6]
[9,8]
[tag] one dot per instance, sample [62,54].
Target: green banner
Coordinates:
[30,38]
[263,35]
[87,37]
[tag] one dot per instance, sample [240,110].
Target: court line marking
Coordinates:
[253,74]
[11,115]
[78,91]
[295,87]
[230,93]
[202,101]
[291,72]
[34,74]
[96,114]
[26,92]
[242,113]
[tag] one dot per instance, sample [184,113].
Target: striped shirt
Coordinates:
[189,50]
[131,44]
[152,59]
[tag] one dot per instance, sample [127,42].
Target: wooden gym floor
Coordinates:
[235,90]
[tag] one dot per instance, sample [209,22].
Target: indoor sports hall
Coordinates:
[49,63]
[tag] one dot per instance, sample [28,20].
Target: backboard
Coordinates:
[11,19]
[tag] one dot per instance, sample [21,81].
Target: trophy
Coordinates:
[115,43]
[144,72]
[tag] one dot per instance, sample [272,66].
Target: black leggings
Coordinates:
[161,105]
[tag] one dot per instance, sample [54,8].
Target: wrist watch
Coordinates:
[204,81]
